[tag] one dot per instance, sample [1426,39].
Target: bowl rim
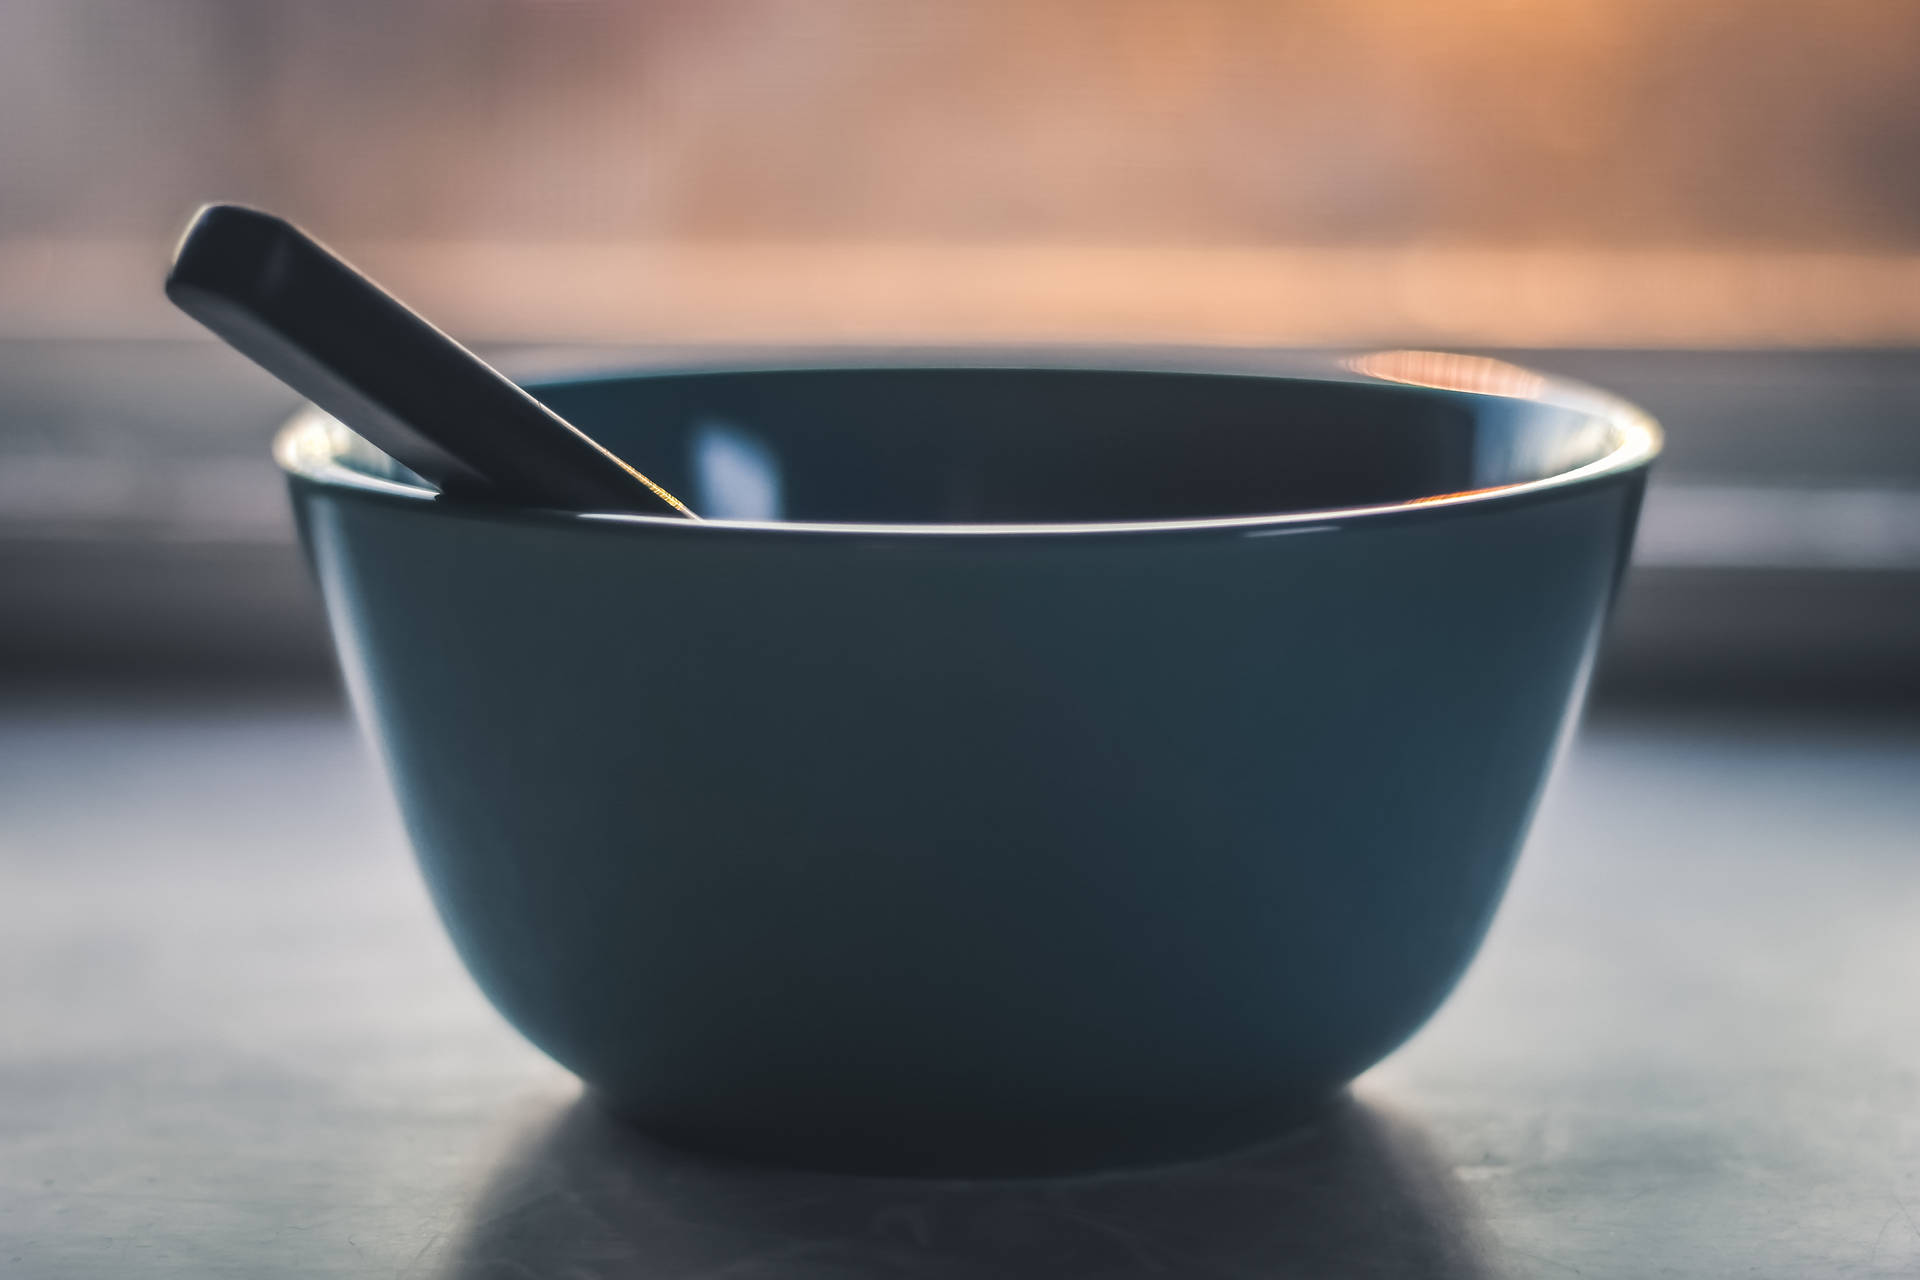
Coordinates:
[311,446]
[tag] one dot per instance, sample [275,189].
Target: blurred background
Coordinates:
[1710,206]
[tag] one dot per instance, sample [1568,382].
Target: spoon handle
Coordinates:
[300,312]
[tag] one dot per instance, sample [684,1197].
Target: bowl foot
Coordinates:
[981,1148]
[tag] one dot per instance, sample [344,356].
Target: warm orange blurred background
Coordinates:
[1712,206]
[1583,171]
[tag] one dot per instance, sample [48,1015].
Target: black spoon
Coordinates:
[294,308]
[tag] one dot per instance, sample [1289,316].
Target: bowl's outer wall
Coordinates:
[968,852]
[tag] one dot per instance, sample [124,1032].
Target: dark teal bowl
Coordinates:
[1059,768]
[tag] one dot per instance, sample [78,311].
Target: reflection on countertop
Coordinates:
[1361,1193]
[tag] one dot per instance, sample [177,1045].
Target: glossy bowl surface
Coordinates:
[1031,769]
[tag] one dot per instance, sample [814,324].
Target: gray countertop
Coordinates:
[233,1042]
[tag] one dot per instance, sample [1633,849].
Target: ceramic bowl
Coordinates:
[1022,769]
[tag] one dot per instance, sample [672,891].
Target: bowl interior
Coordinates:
[997,445]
